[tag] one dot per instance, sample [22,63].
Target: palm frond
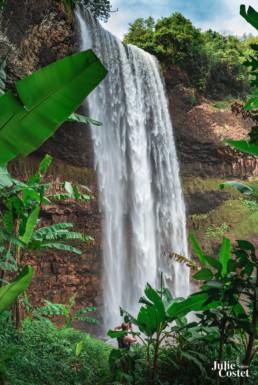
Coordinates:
[181,259]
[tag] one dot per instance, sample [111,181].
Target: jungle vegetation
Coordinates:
[174,349]
[213,61]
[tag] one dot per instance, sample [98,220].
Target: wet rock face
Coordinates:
[201,203]
[200,130]
[60,274]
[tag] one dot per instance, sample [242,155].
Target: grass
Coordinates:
[236,217]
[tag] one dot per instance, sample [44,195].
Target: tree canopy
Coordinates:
[212,60]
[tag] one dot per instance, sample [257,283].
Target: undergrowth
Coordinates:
[47,356]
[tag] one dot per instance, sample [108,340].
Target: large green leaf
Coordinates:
[243,188]
[49,96]
[196,247]
[43,167]
[213,262]
[150,320]
[154,297]
[251,16]
[83,119]
[5,177]
[224,255]
[153,314]
[10,292]
[244,146]
[203,275]
[30,225]
[116,333]
[194,302]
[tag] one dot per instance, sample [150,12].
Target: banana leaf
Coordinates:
[5,177]
[244,146]
[47,98]
[83,119]
[10,292]
[251,16]
[243,188]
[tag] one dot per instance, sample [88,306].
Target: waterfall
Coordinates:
[138,174]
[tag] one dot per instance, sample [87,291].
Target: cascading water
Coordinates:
[138,175]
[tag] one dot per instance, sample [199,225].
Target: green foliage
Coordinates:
[47,356]
[20,216]
[213,61]
[122,364]
[251,15]
[78,348]
[216,232]
[49,96]
[4,357]
[66,310]
[99,8]
[231,279]
[244,189]
[251,146]
[244,145]
[154,320]
[20,229]
[11,291]
[83,119]
[3,4]
[250,204]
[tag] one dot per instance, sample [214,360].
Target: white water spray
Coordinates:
[138,175]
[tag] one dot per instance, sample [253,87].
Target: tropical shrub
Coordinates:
[155,320]
[64,310]
[47,355]
[226,281]
[20,217]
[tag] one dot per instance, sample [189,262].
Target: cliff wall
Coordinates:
[38,33]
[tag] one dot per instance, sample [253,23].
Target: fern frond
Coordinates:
[181,259]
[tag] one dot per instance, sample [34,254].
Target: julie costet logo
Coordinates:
[229,369]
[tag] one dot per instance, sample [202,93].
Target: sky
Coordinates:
[219,15]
